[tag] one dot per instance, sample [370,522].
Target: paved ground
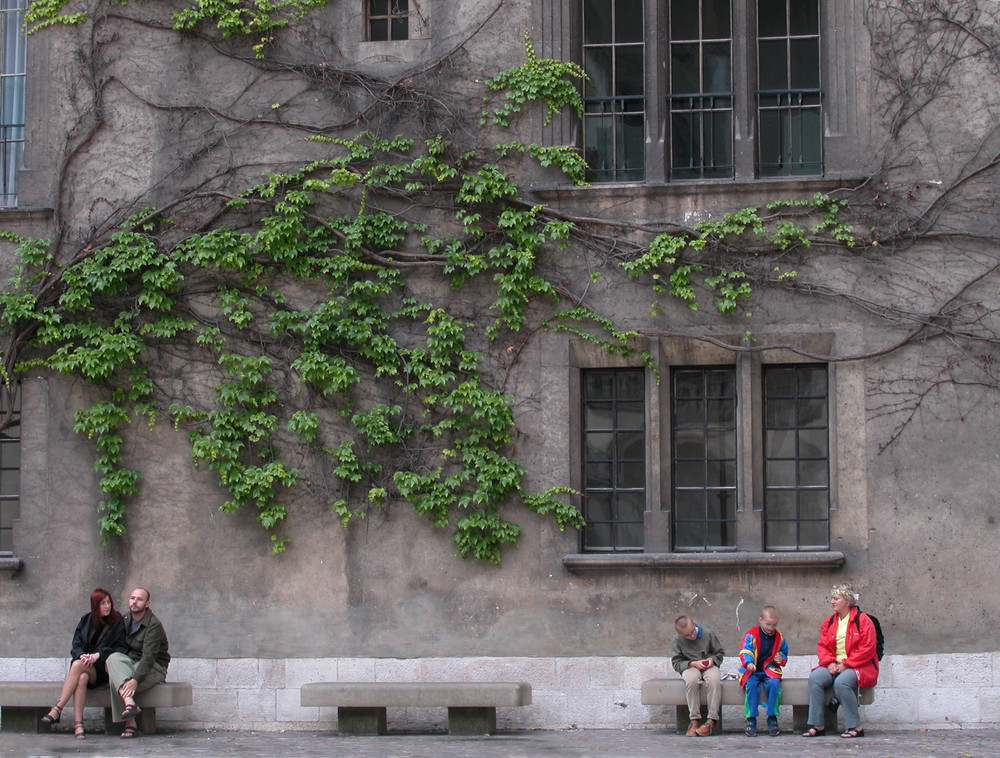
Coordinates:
[572,744]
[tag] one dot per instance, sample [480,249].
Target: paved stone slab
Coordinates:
[638,743]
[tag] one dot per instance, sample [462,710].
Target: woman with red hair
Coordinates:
[99,634]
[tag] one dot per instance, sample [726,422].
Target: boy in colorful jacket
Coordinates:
[764,653]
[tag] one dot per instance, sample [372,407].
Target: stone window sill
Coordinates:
[10,563]
[582,562]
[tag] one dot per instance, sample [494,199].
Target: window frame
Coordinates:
[677,353]
[745,111]
[392,18]
[10,492]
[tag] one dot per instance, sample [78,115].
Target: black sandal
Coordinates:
[78,731]
[814,731]
[131,711]
[853,733]
[129,732]
[47,718]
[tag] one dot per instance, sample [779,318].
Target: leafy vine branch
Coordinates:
[346,328]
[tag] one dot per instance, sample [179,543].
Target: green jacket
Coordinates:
[683,650]
[147,645]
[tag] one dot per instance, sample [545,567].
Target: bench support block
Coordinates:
[361,722]
[24,720]
[472,721]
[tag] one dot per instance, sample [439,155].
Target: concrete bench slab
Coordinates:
[361,706]
[22,704]
[794,692]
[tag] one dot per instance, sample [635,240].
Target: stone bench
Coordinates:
[22,704]
[794,692]
[472,706]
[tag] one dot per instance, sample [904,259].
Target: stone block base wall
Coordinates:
[916,691]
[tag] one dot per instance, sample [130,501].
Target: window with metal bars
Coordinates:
[388,20]
[696,65]
[13,74]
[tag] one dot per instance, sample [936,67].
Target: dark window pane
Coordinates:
[771,19]
[631,506]
[721,505]
[721,473]
[773,65]
[721,444]
[689,413]
[631,415]
[598,416]
[720,412]
[779,443]
[689,505]
[781,505]
[598,536]
[597,385]
[598,506]
[781,535]
[780,382]
[813,443]
[629,77]
[684,19]
[814,504]
[689,384]
[689,534]
[781,473]
[812,412]
[718,73]
[400,28]
[598,476]
[378,7]
[597,63]
[597,22]
[632,474]
[812,381]
[715,19]
[599,446]
[10,483]
[804,68]
[629,535]
[814,534]
[720,383]
[780,413]
[689,474]
[689,444]
[378,29]
[631,385]
[628,21]
[631,445]
[10,455]
[684,69]
[812,473]
[804,16]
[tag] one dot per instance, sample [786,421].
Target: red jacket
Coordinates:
[860,646]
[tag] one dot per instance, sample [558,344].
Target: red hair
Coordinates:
[96,620]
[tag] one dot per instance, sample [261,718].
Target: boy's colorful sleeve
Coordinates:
[782,657]
[748,653]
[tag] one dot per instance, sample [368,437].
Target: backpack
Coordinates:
[879,637]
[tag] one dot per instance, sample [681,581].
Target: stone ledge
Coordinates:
[661,561]
[10,563]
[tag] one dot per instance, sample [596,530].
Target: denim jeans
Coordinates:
[772,690]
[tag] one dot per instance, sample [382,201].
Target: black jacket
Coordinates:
[111,639]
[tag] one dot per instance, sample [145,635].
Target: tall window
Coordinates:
[388,20]
[614,458]
[614,95]
[12,79]
[704,458]
[686,75]
[796,458]
[10,468]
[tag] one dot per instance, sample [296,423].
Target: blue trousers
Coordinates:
[772,690]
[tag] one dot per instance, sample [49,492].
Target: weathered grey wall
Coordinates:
[916,522]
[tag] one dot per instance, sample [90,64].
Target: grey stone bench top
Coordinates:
[416,694]
[44,694]
[793,692]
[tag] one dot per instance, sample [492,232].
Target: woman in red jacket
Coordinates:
[847,660]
